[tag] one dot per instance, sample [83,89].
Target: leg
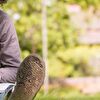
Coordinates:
[8,75]
[1,96]
[30,78]
[6,90]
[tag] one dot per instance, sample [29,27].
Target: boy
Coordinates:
[30,75]
[9,49]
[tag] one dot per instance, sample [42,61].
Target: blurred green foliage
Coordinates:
[84,3]
[65,56]
[66,94]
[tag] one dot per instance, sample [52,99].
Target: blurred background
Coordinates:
[66,33]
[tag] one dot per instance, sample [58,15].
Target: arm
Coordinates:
[9,46]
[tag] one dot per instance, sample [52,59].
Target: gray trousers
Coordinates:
[8,75]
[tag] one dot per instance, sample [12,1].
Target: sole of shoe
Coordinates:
[30,78]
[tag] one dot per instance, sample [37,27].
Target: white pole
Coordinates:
[44,39]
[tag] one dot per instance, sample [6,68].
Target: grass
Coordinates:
[65,94]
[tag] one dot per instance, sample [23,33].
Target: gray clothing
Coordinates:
[8,75]
[9,46]
[9,49]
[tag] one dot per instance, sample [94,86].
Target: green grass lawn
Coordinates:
[65,94]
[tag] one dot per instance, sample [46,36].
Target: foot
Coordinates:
[30,78]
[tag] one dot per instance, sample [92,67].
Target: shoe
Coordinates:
[30,78]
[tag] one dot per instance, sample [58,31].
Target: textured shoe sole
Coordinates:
[30,78]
